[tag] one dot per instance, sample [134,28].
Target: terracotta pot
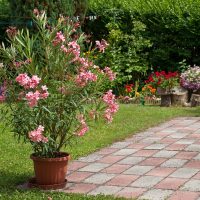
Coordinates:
[50,173]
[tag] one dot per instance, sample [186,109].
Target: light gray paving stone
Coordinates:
[106,190]
[184,173]
[174,163]
[146,181]
[165,154]
[120,145]
[99,178]
[138,170]
[169,130]
[156,194]
[156,146]
[185,141]
[123,152]
[192,185]
[94,167]
[150,140]
[178,135]
[131,160]
[193,147]
[197,157]
[90,158]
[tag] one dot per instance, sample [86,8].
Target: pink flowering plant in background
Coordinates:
[51,89]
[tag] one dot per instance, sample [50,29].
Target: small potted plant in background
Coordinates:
[164,82]
[190,80]
[51,91]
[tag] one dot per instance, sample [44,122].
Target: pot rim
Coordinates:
[64,157]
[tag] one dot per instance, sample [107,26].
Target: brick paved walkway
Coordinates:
[161,163]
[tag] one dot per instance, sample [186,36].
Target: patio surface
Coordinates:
[160,163]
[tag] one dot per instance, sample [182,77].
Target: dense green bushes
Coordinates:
[172,26]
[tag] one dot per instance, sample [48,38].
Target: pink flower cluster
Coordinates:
[60,38]
[101,45]
[31,83]
[36,135]
[74,49]
[112,106]
[84,77]
[83,128]
[27,82]
[110,74]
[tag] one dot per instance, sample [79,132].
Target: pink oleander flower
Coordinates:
[111,75]
[60,38]
[84,77]
[36,12]
[101,45]
[36,135]
[109,97]
[64,49]
[83,128]
[108,116]
[33,98]
[11,31]
[44,93]
[112,106]
[34,81]
[23,79]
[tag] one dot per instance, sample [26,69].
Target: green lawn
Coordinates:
[16,167]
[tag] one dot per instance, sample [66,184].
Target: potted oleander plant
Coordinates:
[52,90]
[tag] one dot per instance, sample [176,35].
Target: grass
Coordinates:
[16,167]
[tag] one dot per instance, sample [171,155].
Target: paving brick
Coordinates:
[145,153]
[183,195]
[156,194]
[99,178]
[120,145]
[170,183]
[184,173]
[186,155]
[78,176]
[168,140]
[131,160]
[80,188]
[90,158]
[107,151]
[110,159]
[138,170]
[185,141]
[116,168]
[193,147]
[151,140]
[193,164]
[192,185]
[146,181]
[176,147]
[165,154]
[137,146]
[153,161]
[178,135]
[161,171]
[156,146]
[94,167]
[174,163]
[123,152]
[105,190]
[122,180]
[73,166]
[130,192]
[197,176]
[197,157]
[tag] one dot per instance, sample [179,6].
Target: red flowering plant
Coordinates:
[163,80]
[51,88]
